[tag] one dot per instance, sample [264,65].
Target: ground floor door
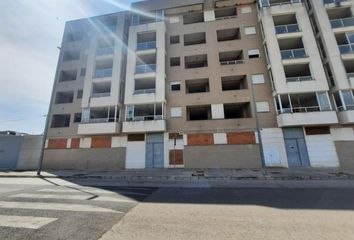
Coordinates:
[9,151]
[154,151]
[295,146]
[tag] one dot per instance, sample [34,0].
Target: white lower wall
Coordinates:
[135,157]
[274,147]
[321,150]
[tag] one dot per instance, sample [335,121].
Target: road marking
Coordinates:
[71,197]
[24,222]
[51,196]
[56,206]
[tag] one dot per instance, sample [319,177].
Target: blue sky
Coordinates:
[30,32]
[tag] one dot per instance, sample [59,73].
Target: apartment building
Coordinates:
[310,58]
[198,83]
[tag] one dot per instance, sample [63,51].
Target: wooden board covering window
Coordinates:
[136,137]
[179,157]
[317,130]
[175,136]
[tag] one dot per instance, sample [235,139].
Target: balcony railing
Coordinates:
[144,118]
[98,95]
[102,73]
[144,91]
[98,120]
[300,109]
[226,17]
[147,68]
[298,79]
[267,3]
[346,48]
[104,51]
[343,22]
[146,45]
[350,75]
[294,53]
[232,62]
[347,106]
[290,28]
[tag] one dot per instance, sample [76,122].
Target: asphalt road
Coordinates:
[38,209]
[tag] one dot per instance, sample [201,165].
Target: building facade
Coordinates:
[192,83]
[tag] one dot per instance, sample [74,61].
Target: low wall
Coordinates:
[345,151]
[103,159]
[222,156]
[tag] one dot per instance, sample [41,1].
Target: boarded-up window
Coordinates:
[101,142]
[136,137]
[57,143]
[175,136]
[200,139]
[176,157]
[241,138]
[75,142]
[317,130]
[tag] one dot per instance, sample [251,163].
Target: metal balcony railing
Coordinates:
[232,62]
[267,3]
[102,73]
[347,106]
[144,118]
[346,48]
[144,91]
[342,22]
[104,51]
[103,94]
[147,68]
[298,79]
[146,45]
[98,120]
[300,109]
[289,28]
[294,53]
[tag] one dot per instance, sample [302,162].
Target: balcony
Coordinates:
[290,28]
[344,100]
[228,34]
[148,17]
[144,118]
[343,22]
[146,45]
[197,61]
[269,3]
[232,57]
[100,121]
[336,3]
[305,109]
[103,73]
[144,86]
[194,17]
[146,68]
[197,86]
[104,51]
[194,38]
[297,73]
[225,13]
[346,48]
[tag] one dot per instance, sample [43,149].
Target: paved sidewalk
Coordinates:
[195,174]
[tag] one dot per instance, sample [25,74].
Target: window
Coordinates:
[64,97]
[198,113]
[262,107]
[83,72]
[254,53]
[60,120]
[246,9]
[234,82]
[176,112]
[175,86]
[250,30]
[175,61]
[71,55]
[79,94]
[237,110]
[197,85]
[77,117]
[174,39]
[257,78]
[67,75]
